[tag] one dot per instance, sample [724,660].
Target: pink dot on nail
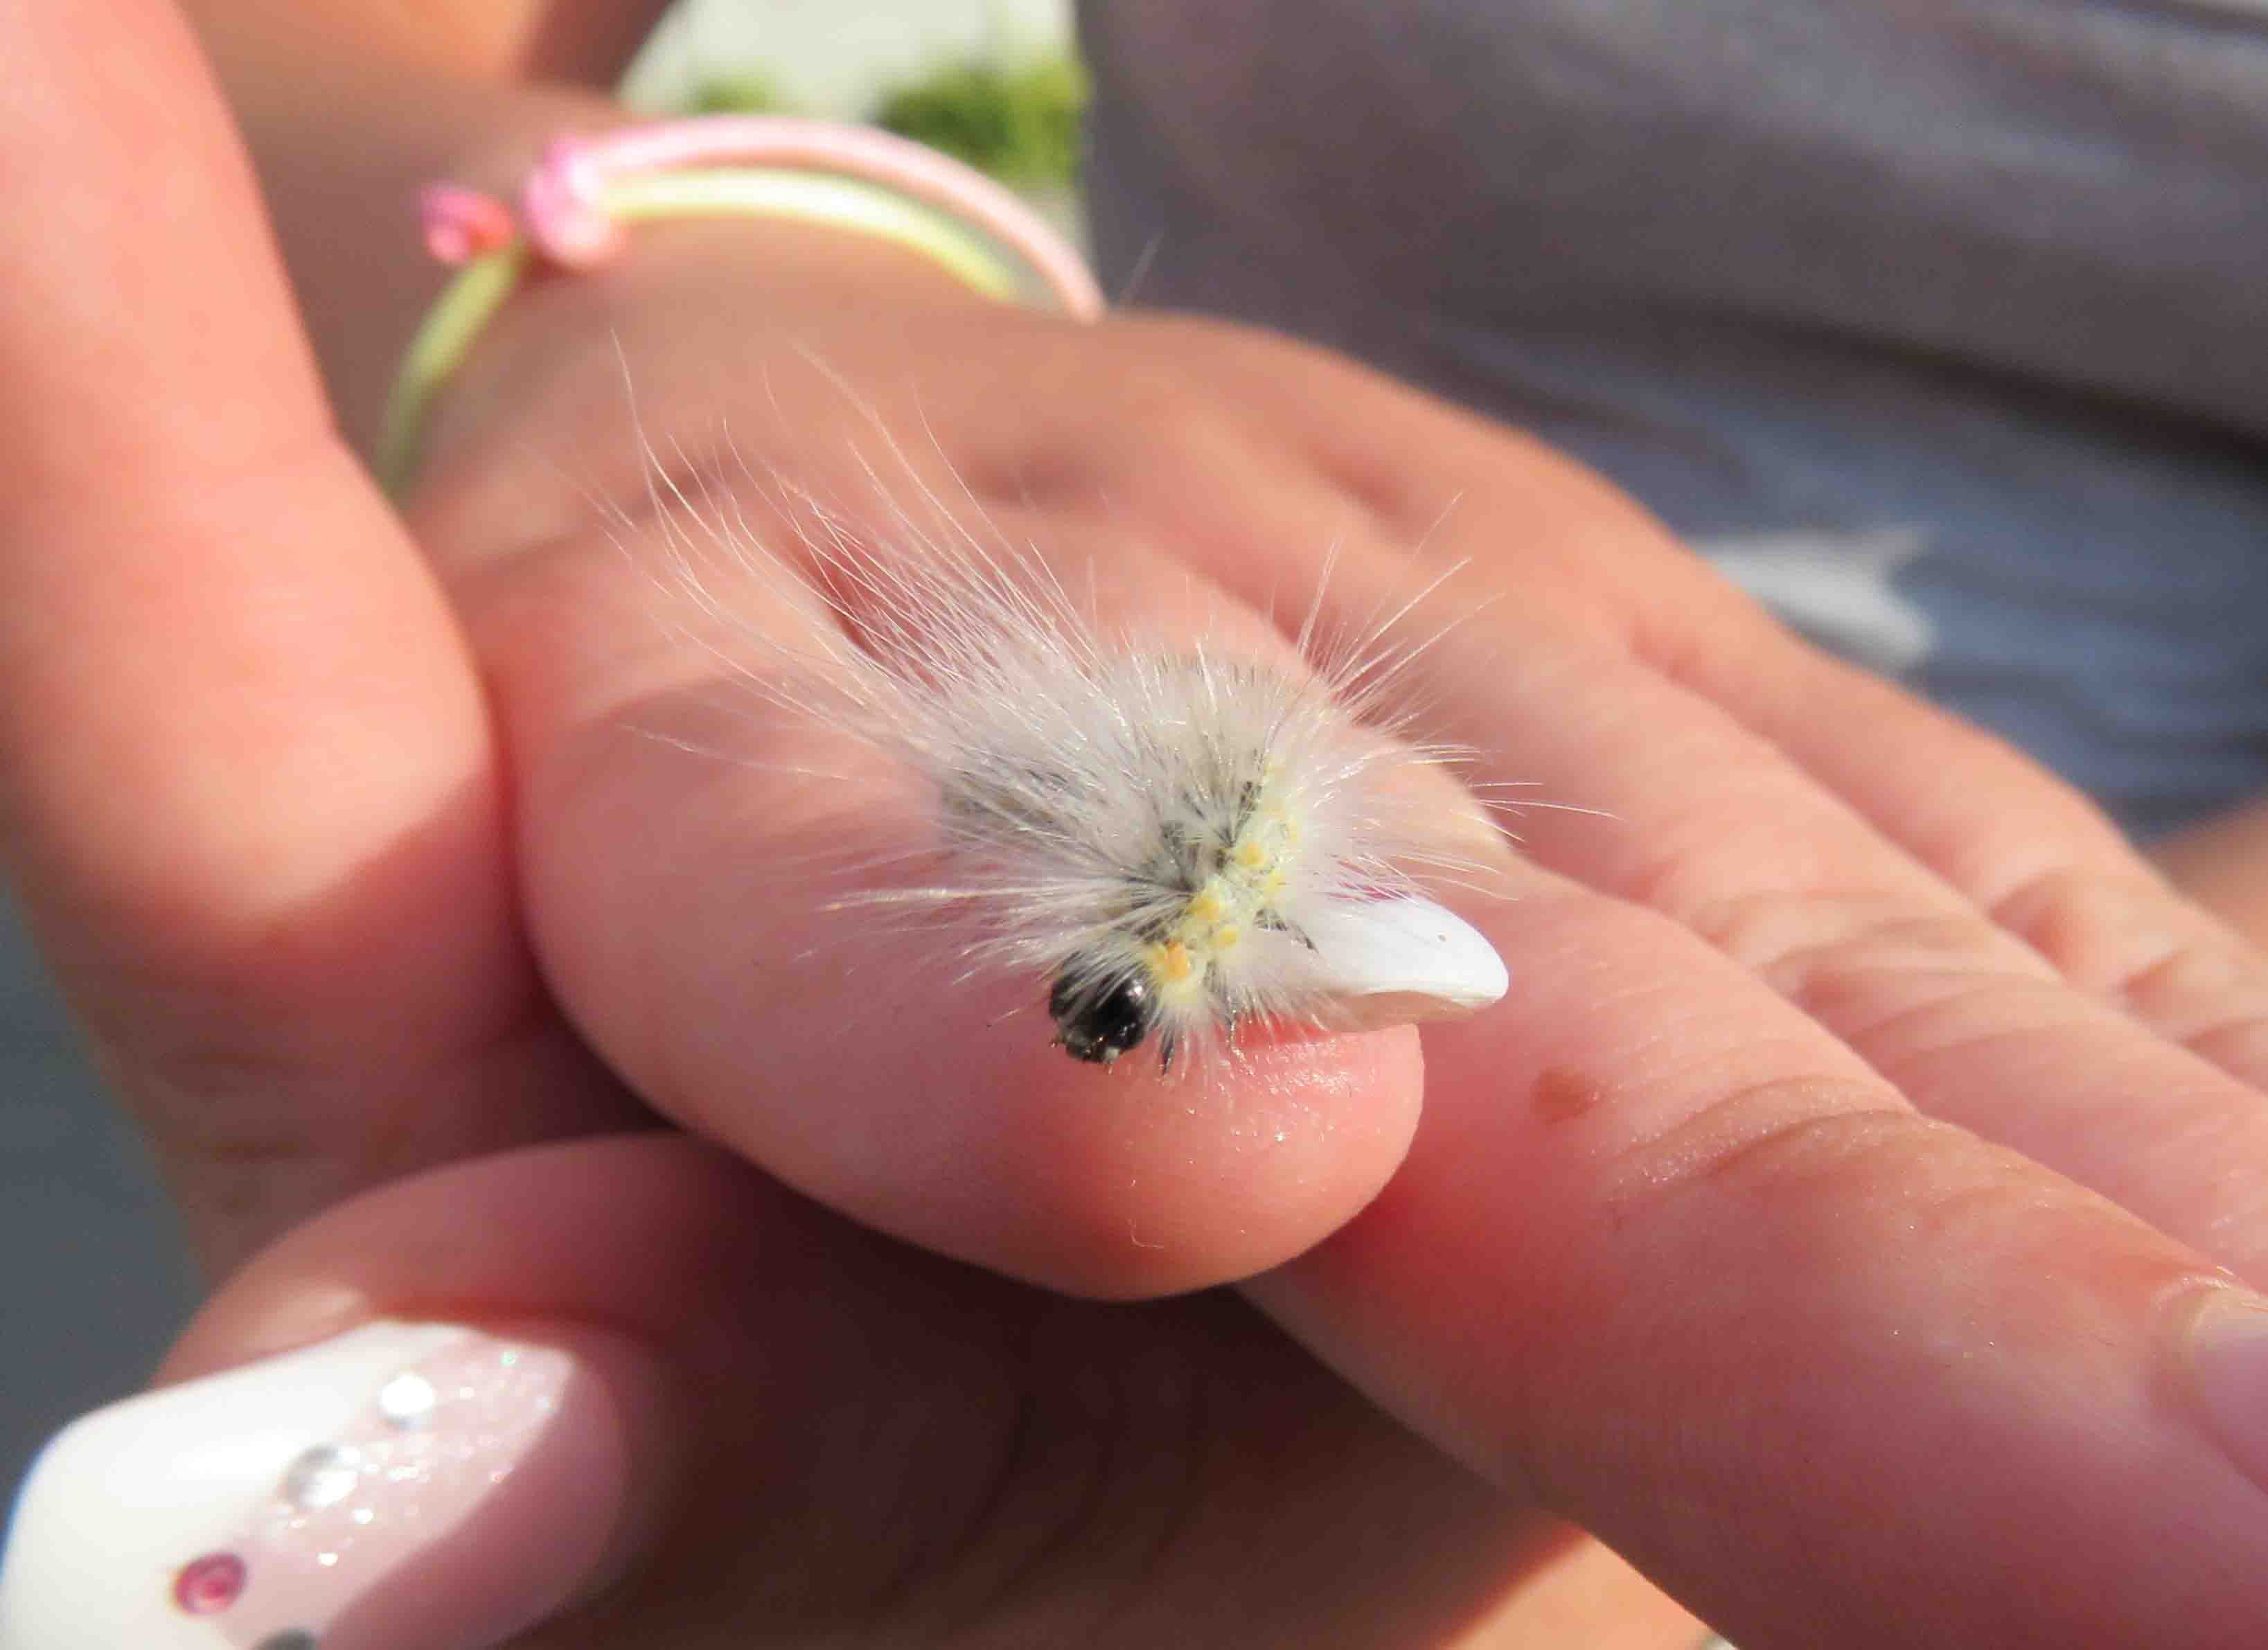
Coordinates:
[210,1584]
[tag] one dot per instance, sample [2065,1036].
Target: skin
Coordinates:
[1819,1219]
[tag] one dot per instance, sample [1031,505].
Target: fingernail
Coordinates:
[2227,1346]
[403,1483]
[1388,962]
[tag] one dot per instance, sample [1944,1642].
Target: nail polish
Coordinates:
[336,1497]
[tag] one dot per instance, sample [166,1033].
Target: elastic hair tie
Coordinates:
[585,188]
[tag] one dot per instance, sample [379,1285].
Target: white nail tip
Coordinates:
[256,1471]
[1390,961]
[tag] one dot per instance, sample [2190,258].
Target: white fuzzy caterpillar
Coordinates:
[1170,839]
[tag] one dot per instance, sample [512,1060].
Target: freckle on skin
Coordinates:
[1562,1094]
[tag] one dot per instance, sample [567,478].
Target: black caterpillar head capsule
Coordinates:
[1098,1020]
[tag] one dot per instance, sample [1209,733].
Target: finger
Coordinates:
[1692,813]
[2216,861]
[585,42]
[692,834]
[2021,845]
[2019,842]
[524,1357]
[698,848]
[1968,1022]
[1829,1372]
[248,787]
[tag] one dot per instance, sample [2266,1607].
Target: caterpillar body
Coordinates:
[1173,838]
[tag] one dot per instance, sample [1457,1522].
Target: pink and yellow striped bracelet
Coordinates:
[585,188]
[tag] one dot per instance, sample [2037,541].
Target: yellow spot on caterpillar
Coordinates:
[1206,908]
[1250,855]
[1227,936]
[1170,961]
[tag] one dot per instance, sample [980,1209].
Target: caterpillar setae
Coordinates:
[1172,838]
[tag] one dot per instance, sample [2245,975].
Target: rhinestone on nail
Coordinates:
[289,1638]
[208,1585]
[323,1476]
[408,1400]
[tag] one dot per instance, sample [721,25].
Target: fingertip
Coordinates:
[870,1063]
[1131,1183]
[959,1125]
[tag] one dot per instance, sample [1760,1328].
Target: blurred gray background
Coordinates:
[95,1281]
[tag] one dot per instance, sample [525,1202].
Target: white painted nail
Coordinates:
[314,1499]
[1391,961]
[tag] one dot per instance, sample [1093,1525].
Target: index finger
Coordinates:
[1667,1258]
[246,773]
[853,928]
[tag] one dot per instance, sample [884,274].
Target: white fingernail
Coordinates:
[272,1507]
[1388,962]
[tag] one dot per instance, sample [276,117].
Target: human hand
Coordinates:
[1680,1224]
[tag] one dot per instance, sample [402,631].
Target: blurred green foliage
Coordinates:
[1020,124]
[744,91]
